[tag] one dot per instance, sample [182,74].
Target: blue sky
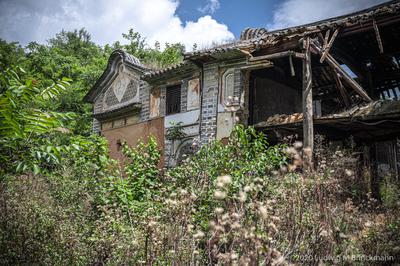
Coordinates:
[236,14]
[203,22]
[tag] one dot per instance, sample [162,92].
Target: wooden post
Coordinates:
[308,127]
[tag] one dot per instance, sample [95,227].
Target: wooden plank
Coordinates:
[327,33]
[378,36]
[275,56]
[328,46]
[308,127]
[336,66]
[292,72]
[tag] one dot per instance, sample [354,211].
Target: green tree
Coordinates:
[23,119]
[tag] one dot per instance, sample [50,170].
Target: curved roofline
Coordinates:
[116,58]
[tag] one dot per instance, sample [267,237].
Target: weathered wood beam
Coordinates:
[336,66]
[258,65]
[328,46]
[341,88]
[308,127]
[327,33]
[378,36]
[276,56]
[292,72]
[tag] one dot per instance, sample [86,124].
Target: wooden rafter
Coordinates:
[378,36]
[346,77]
[341,89]
[328,45]
[292,72]
[326,37]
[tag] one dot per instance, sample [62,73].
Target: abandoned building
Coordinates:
[339,77]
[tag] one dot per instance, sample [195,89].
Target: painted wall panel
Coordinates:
[186,118]
[225,123]
[193,94]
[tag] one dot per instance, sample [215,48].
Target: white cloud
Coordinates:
[298,12]
[210,7]
[39,20]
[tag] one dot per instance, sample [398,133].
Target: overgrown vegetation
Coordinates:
[63,201]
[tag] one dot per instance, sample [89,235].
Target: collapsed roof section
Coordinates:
[255,39]
[375,119]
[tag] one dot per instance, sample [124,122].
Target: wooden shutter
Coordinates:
[173,100]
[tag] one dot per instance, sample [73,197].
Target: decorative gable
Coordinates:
[123,90]
[117,90]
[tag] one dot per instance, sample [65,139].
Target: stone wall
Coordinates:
[144,96]
[209,103]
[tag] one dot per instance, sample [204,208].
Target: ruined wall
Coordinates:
[132,133]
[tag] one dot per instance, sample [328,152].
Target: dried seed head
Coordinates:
[263,211]
[219,195]
[298,145]
[242,196]
[198,235]
[219,210]
[349,173]
[190,227]
[225,179]
[323,233]
[235,225]
[234,256]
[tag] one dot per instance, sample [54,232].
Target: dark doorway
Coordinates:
[272,93]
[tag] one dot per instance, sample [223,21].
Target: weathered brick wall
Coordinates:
[144,98]
[97,108]
[209,103]
[238,83]
[184,88]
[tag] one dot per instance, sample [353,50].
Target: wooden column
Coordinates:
[308,127]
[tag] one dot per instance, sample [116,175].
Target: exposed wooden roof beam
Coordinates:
[342,89]
[346,77]
[378,36]
[327,45]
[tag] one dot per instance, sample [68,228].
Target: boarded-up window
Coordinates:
[173,100]
[155,102]
[193,98]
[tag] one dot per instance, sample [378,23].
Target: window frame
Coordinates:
[171,91]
